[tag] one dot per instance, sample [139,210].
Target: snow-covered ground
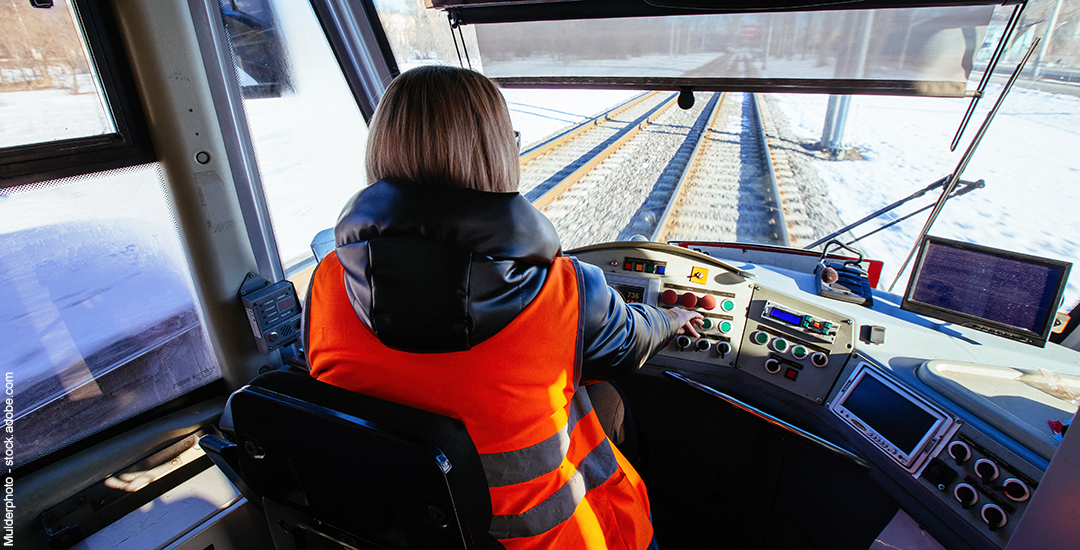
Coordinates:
[1028,159]
[37,116]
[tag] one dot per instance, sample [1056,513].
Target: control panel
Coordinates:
[794,344]
[666,276]
[983,483]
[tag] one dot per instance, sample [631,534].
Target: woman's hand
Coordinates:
[688,320]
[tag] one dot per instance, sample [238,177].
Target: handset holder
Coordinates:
[843,280]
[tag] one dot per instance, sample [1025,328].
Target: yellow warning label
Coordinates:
[699,275]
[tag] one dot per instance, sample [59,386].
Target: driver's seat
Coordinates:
[333,469]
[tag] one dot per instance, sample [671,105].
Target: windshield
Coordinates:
[829,161]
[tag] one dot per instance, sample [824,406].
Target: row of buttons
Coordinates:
[642,266]
[723,326]
[707,302]
[780,345]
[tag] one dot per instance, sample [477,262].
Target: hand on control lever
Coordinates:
[687,320]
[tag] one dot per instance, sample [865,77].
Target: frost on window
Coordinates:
[98,316]
[49,89]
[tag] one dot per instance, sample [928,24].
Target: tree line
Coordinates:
[40,48]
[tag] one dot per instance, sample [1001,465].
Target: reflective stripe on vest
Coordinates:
[554,478]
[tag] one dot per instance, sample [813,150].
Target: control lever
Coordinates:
[816,440]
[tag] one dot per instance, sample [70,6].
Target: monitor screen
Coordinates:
[890,414]
[1006,293]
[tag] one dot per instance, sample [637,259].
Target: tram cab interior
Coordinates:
[137,246]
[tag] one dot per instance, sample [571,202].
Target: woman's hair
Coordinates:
[443,126]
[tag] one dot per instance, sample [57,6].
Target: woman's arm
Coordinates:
[619,337]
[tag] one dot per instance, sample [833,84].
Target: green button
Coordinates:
[725,326]
[780,344]
[727,305]
[761,337]
[707,324]
[798,352]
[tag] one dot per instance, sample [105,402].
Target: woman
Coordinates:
[448,292]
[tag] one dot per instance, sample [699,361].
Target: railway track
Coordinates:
[703,174]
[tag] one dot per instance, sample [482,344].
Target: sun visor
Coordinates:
[915,51]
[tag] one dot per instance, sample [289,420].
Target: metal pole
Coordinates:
[832,135]
[1046,39]
[964,162]
[836,117]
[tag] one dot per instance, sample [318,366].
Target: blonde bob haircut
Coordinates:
[445,127]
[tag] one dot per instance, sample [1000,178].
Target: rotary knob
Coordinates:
[708,302]
[966,495]
[1016,490]
[986,470]
[772,366]
[819,359]
[723,348]
[960,452]
[703,345]
[994,516]
[683,341]
[669,297]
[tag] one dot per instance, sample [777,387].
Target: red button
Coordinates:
[708,302]
[627,266]
[791,373]
[669,297]
[688,300]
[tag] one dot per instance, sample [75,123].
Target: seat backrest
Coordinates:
[335,467]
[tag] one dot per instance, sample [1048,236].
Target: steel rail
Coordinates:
[558,140]
[771,190]
[774,191]
[557,190]
[662,224]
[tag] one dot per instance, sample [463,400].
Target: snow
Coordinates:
[54,114]
[1027,158]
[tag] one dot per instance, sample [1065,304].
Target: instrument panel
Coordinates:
[957,470]
[782,340]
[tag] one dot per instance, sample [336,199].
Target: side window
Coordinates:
[307,131]
[59,109]
[98,316]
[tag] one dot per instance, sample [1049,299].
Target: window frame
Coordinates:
[129,146]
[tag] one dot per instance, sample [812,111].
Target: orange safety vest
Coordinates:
[556,481]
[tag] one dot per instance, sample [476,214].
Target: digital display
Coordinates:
[631,294]
[890,414]
[966,284]
[782,315]
[286,304]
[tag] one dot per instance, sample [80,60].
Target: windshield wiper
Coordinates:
[966,187]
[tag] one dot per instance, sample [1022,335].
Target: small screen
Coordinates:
[285,304]
[892,415]
[631,294]
[785,316]
[986,284]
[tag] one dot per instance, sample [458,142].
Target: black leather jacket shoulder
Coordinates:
[469,262]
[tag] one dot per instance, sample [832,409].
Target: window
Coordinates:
[98,316]
[61,111]
[307,130]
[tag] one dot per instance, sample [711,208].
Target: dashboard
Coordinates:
[921,401]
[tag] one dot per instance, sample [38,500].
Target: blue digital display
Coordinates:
[785,316]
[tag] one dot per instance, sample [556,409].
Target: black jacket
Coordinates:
[440,270]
